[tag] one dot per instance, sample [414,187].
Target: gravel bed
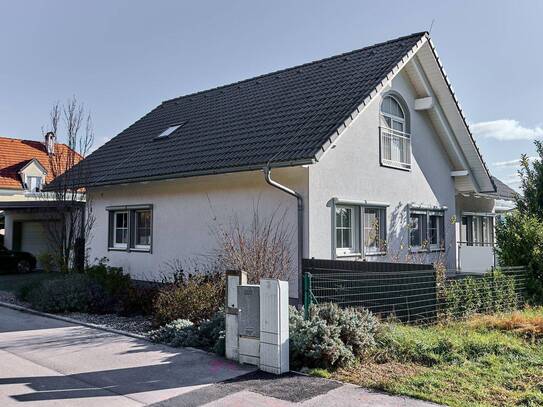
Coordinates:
[10,298]
[138,324]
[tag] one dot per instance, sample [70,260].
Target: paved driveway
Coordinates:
[53,363]
[46,362]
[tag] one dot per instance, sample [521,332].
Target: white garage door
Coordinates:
[34,238]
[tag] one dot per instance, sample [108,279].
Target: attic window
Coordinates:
[169,131]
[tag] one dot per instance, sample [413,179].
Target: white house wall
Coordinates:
[352,171]
[185,213]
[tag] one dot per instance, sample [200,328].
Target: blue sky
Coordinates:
[122,58]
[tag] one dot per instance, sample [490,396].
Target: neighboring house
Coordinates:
[26,212]
[372,144]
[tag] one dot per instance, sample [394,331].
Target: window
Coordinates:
[345,230]
[130,228]
[436,231]
[395,140]
[142,229]
[170,130]
[360,229]
[426,229]
[477,230]
[416,230]
[33,183]
[374,230]
[121,230]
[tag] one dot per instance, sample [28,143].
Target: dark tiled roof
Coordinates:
[285,117]
[504,191]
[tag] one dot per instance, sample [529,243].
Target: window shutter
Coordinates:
[111,217]
[131,228]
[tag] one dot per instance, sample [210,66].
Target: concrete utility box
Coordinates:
[257,323]
[274,334]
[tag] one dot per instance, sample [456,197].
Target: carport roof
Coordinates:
[28,204]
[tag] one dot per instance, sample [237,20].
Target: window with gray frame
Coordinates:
[130,228]
[360,229]
[426,229]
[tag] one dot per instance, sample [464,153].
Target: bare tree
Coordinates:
[262,247]
[69,137]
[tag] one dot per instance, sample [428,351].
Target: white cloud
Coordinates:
[512,163]
[506,129]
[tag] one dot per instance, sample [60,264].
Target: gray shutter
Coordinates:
[111,219]
[131,228]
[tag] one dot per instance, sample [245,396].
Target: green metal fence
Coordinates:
[410,293]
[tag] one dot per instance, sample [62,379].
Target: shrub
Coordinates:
[138,299]
[209,335]
[495,292]
[196,298]
[261,247]
[331,337]
[99,289]
[112,279]
[72,292]
[47,262]
[519,241]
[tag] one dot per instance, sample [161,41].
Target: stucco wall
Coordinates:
[352,171]
[185,212]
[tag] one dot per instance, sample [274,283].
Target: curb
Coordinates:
[94,326]
[72,321]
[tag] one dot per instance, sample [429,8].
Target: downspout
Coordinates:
[299,198]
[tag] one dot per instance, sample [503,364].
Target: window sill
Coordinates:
[376,254]
[395,167]
[131,250]
[348,255]
[141,249]
[422,250]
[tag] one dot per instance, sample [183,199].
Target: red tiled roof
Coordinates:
[15,154]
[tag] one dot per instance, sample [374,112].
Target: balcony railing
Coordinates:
[395,148]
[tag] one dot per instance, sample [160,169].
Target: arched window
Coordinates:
[395,139]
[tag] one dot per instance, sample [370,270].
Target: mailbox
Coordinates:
[249,310]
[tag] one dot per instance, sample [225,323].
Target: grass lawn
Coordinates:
[485,361]
[14,282]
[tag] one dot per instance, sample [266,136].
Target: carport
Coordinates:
[27,225]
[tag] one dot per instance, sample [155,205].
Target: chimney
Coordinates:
[50,142]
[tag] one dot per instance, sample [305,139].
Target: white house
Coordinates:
[370,148]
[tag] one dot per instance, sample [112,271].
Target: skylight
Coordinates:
[169,131]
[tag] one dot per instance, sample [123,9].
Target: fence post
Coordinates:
[307,294]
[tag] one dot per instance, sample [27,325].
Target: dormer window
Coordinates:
[33,183]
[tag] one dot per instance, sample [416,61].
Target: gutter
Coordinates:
[299,198]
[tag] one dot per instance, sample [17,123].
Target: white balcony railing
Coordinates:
[395,148]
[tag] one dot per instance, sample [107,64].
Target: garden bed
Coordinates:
[484,361]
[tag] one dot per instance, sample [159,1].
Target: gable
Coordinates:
[33,168]
[436,98]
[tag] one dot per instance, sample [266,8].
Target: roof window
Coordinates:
[169,131]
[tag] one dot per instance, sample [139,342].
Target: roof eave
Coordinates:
[227,170]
